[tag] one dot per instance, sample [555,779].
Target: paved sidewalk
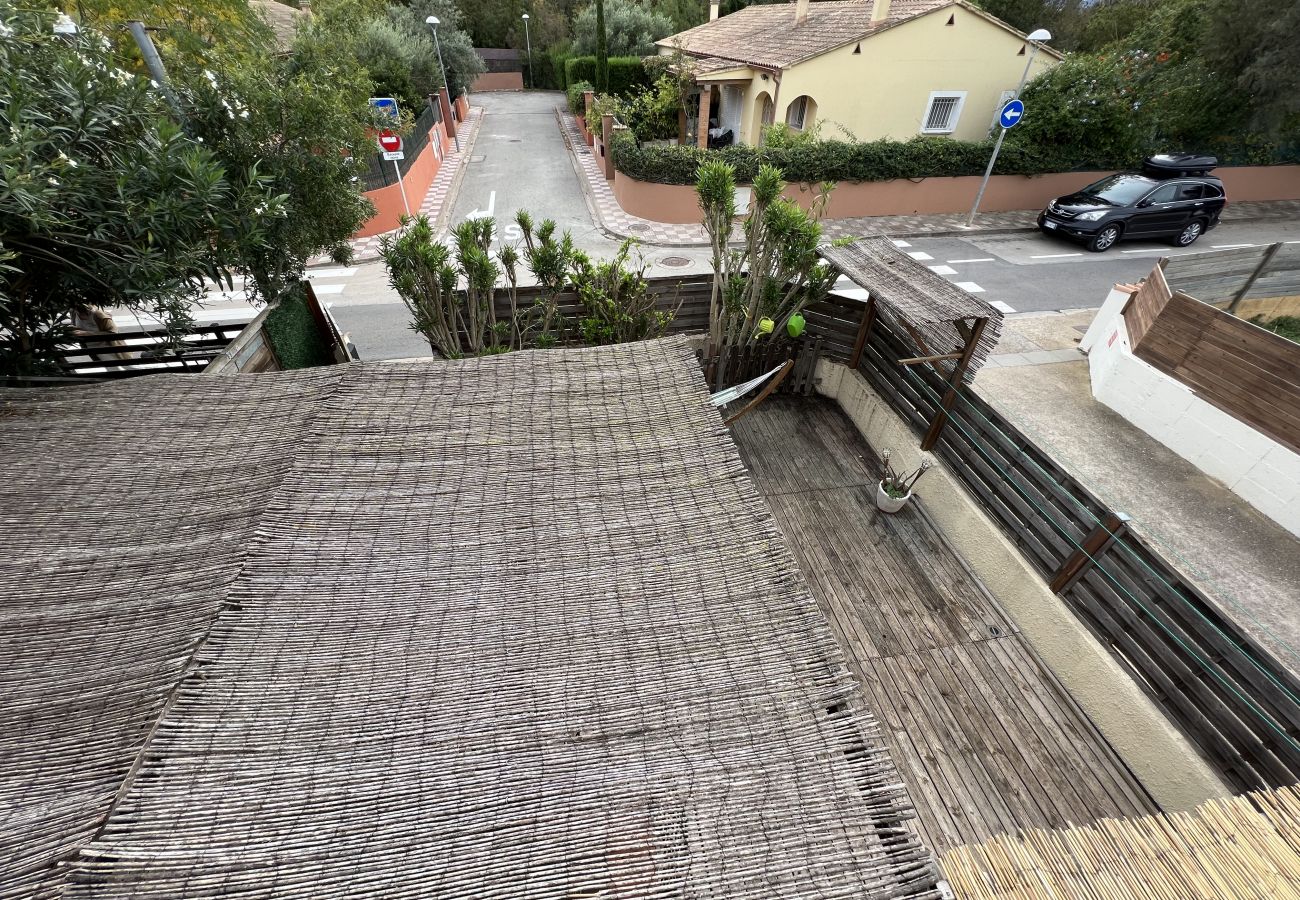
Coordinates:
[620,224]
[440,199]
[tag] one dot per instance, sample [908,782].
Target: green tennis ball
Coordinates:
[795,325]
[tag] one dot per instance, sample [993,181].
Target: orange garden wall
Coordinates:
[498,81]
[388,200]
[462,108]
[677,203]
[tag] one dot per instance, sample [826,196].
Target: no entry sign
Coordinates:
[389,142]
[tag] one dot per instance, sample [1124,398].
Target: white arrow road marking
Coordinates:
[492,205]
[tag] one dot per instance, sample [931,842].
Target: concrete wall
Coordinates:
[498,81]
[676,203]
[389,208]
[1161,758]
[1255,467]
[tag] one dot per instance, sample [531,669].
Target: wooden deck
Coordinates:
[984,735]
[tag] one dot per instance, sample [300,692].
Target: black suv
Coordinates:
[1173,197]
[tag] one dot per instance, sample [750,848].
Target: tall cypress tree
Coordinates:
[602,51]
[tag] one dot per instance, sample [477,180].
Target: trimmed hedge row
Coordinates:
[626,73]
[884,160]
[295,336]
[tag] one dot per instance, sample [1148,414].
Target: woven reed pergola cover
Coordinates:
[908,293]
[507,627]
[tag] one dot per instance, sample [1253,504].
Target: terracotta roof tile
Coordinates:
[767,35]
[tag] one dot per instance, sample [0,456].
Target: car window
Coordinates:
[1163,194]
[1190,191]
[1212,191]
[1120,190]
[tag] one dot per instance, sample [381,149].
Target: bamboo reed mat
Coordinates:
[512,627]
[1241,848]
[126,510]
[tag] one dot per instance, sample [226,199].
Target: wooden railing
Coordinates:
[1236,702]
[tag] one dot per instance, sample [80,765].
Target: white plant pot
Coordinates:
[888,504]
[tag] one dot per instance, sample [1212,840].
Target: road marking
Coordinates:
[1291,242]
[919,256]
[901,243]
[981,259]
[1151,250]
[1055,255]
[970,287]
[942,270]
[1230,246]
[331,273]
[492,205]
[327,288]
[1002,307]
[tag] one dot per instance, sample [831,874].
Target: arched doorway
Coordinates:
[764,114]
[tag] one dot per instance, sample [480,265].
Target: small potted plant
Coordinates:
[895,489]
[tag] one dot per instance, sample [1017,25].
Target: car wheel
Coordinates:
[1104,239]
[1188,235]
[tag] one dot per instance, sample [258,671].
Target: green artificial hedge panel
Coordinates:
[294,335]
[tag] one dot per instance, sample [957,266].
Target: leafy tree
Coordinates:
[630,29]
[683,14]
[1253,43]
[104,202]
[602,48]
[463,64]
[296,126]
[401,62]
[197,34]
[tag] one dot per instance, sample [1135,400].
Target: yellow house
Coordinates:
[871,68]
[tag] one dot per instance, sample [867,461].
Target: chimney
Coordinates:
[879,10]
[713,9]
[800,11]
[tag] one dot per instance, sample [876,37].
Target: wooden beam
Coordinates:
[1254,276]
[926,359]
[864,332]
[773,383]
[941,417]
[1095,544]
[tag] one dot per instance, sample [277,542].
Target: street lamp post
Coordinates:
[529,40]
[1035,38]
[432,22]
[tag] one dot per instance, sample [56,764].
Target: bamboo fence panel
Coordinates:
[126,509]
[518,626]
[1240,848]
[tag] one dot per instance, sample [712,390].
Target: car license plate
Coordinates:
[1048,223]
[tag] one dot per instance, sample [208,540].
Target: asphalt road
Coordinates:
[519,161]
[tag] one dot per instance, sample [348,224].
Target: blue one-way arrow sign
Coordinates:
[1011,113]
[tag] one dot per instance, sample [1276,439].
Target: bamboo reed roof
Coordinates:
[1238,848]
[915,299]
[506,627]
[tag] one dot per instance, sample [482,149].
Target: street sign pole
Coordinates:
[401,186]
[997,147]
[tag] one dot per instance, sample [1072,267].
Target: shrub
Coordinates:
[630,28]
[577,105]
[294,334]
[627,75]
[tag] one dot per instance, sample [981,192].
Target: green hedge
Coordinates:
[883,160]
[295,336]
[920,157]
[577,104]
[626,73]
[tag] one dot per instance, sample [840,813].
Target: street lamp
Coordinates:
[528,38]
[432,22]
[1036,38]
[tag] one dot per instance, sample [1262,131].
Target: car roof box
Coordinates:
[1175,165]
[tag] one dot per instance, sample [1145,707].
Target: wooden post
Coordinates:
[702,124]
[1254,276]
[864,332]
[954,382]
[1095,544]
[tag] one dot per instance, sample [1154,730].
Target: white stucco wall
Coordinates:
[1252,465]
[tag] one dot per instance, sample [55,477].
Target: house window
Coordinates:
[942,112]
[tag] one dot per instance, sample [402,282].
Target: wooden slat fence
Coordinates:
[1248,372]
[687,294]
[1218,277]
[1228,694]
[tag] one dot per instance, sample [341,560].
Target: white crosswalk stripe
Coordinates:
[920,256]
[1005,308]
[969,287]
[942,270]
